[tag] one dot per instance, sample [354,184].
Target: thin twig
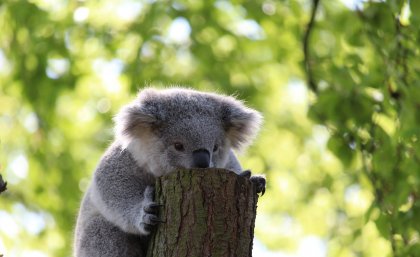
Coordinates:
[307,61]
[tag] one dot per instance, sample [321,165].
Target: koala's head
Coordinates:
[181,128]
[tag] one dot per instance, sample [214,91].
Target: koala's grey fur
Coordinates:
[115,215]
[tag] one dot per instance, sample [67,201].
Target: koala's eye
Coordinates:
[179,147]
[215,148]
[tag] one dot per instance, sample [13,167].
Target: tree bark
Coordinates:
[206,212]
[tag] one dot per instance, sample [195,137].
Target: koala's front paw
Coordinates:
[149,212]
[258,181]
[150,217]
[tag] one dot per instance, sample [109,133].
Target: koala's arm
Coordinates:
[123,197]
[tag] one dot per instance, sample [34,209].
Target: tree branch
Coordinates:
[3,186]
[306,37]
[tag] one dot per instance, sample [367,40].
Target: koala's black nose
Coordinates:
[201,158]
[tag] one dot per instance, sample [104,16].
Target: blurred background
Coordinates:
[337,81]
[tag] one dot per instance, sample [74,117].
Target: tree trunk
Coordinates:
[207,212]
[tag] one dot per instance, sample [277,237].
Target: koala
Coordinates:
[157,133]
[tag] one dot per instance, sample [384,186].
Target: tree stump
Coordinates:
[206,212]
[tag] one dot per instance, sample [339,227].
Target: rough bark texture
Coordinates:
[207,212]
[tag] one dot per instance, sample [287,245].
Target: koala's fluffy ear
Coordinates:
[241,123]
[132,121]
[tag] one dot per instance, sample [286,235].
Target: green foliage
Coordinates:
[341,162]
[371,104]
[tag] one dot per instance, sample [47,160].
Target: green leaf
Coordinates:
[383,225]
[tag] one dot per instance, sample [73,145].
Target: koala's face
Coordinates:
[178,128]
[197,142]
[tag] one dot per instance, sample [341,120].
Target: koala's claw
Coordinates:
[156,220]
[245,173]
[148,227]
[259,182]
[152,222]
[152,208]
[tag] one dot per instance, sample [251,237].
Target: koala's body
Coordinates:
[159,132]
